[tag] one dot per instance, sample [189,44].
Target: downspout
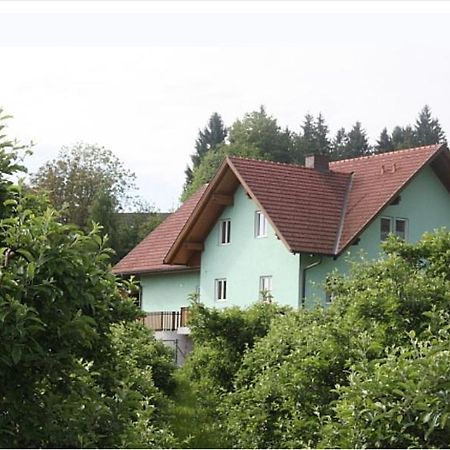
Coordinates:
[303,277]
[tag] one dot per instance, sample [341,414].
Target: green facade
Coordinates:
[168,291]
[425,203]
[245,259]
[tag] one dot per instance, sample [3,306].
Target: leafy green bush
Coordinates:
[76,370]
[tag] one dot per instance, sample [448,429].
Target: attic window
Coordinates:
[260,225]
[225,232]
[396,225]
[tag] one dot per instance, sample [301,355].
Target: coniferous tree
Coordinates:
[403,137]
[358,144]
[427,129]
[384,142]
[339,144]
[313,138]
[212,135]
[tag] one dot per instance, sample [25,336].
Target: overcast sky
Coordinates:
[141,78]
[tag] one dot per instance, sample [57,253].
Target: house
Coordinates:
[262,229]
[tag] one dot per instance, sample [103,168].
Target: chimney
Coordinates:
[317,162]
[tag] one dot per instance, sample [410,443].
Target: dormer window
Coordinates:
[225,232]
[260,225]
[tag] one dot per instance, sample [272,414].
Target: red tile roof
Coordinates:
[149,254]
[376,181]
[303,205]
[310,211]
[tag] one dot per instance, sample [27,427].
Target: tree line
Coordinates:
[258,135]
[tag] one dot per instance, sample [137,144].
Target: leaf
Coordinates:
[16,354]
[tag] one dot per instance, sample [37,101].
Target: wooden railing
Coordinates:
[167,320]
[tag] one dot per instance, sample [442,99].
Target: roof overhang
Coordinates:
[218,195]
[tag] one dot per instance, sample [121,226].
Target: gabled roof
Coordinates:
[310,211]
[378,179]
[149,254]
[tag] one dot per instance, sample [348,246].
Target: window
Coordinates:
[393,225]
[221,289]
[260,225]
[265,288]
[400,228]
[386,227]
[225,232]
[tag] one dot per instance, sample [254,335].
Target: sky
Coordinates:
[141,78]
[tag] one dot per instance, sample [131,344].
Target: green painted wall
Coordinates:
[168,291]
[245,259]
[424,202]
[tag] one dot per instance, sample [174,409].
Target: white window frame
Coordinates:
[220,294]
[260,219]
[227,224]
[265,293]
[390,227]
[402,219]
[393,226]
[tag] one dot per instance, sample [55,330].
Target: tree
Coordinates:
[257,135]
[313,139]
[369,371]
[76,369]
[384,142]
[261,131]
[428,130]
[212,135]
[80,176]
[358,144]
[403,137]
[339,144]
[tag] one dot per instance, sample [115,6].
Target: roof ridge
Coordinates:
[266,161]
[373,155]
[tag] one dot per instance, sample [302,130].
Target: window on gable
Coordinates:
[221,289]
[401,226]
[260,225]
[265,288]
[225,232]
[395,225]
[385,227]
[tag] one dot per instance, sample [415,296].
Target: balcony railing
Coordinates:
[167,320]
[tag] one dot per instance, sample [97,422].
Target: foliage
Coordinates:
[369,371]
[76,370]
[212,135]
[220,339]
[261,131]
[81,176]
[212,161]
[313,138]
[60,362]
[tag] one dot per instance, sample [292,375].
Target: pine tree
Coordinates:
[403,137]
[339,145]
[209,138]
[358,144]
[384,142]
[427,129]
[313,138]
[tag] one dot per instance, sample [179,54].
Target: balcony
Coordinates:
[168,320]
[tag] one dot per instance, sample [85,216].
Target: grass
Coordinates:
[193,425]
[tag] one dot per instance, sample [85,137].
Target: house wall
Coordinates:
[425,202]
[245,259]
[168,291]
